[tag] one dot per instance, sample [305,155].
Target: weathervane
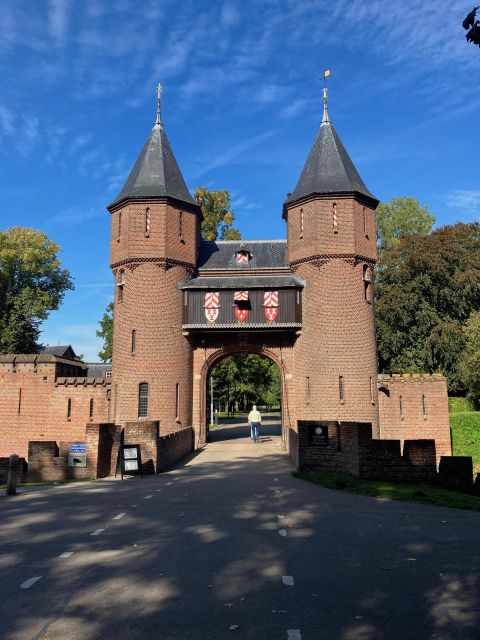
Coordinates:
[159,97]
[326,73]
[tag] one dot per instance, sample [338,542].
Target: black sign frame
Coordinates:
[135,456]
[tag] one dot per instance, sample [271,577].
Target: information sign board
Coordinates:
[130,460]
[77,459]
[78,448]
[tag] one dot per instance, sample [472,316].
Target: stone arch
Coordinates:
[205,359]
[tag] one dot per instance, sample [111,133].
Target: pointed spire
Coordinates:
[156,173]
[159,97]
[328,169]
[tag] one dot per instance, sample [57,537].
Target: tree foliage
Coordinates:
[401,217]
[425,292]
[106,332]
[32,283]
[246,379]
[218,215]
[470,361]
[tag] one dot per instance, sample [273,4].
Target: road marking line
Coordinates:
[28,583]
[294,634]
[176,479]
[147,497]
[288,580]
[66,554]
[118,516]
[283,533]
[280,515]
[275,479]
[168,484]
[134,505]
[97,532]
[157,489]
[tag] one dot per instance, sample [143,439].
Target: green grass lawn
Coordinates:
[412,492]
[465,424]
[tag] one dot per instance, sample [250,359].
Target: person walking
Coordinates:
[255,420]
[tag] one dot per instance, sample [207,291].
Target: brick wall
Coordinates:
[34,402]
[173,447]
[4,465]
[415,424]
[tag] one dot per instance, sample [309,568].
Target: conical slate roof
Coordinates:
[156,172]
[328,168]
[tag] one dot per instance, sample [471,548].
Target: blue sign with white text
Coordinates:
[78,448]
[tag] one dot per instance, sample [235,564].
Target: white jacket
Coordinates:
[254,416]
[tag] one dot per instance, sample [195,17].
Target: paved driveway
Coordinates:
[230,545]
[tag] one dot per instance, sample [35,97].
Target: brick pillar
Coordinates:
[144,433]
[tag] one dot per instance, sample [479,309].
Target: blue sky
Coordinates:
[241,105]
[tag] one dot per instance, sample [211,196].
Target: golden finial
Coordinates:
[326,73]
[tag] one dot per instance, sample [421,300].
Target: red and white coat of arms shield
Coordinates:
[212,305]
[270,305]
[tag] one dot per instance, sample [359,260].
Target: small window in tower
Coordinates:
[69,408]
[400,403]
[424,407]
[180,226]
[19,400]
[120,285]
[133,345]
[365,231]
[147,222]
[341,388]
[90,409]
[307,389]
[367,283]
[302,223]
[372,397]
[143,400]
[119,224]
[177,401]
[334,218]
[108,374]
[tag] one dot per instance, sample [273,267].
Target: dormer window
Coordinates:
[243,257]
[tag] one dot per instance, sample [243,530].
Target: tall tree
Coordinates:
[401,217]
[245,379]
[218,215]
[106,332]
[32,283]
[470,360]
[426,290]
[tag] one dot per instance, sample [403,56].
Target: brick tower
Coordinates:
[332,248]
[155,227]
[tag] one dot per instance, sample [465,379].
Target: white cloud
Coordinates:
[464,200]
[293,109]
[76,215]
[221,159]
[58,20]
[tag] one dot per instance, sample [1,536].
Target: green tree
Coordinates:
[246,379]
[401,217]
[426,290]
[470,361]
[32,283]
[218,215]
[106,332]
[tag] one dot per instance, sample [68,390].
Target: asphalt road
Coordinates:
[230,545]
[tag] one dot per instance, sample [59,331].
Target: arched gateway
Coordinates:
[181,303]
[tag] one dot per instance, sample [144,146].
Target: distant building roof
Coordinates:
[62,351]
[263,254]
[242,282]
[328,169]
[98,369]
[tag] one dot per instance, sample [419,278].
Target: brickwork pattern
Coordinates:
[414,425]
[34,405]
